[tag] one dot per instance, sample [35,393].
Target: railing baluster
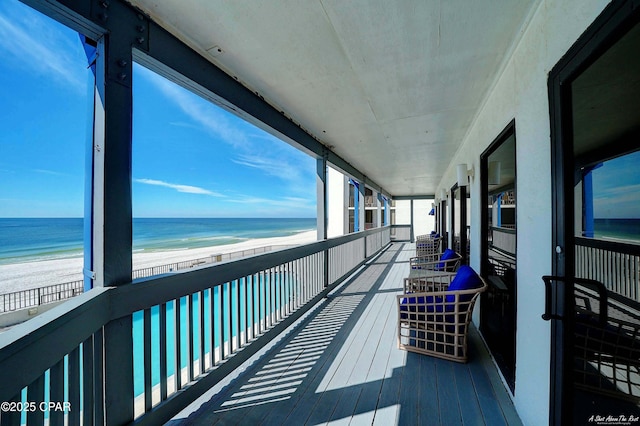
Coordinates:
[237,315]
[221,316]
[74,387]
[162,343]
[146,353]
[202,331]
[281,290]
[178,344]
[56,392]
[98,379]
[290,287]
[87,384]
[275,296]
[191,335]
[229,316]
[246,309]
[263,289]
[212,326]
[35,394]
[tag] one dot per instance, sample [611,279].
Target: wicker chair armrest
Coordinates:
[440,300]
[427,259]
[433,263]
[430,283]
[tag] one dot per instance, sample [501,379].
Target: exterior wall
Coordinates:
[403,212]
[422,222]
[338,200]
[520,92]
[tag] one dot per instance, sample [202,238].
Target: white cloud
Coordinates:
[289,202]
[255,149]
[34,42]
[50,172]
[211,118]
[278,167]
[189,189]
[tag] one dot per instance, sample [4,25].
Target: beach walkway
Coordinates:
[341,365]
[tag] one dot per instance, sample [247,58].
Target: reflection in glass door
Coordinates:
[498,304]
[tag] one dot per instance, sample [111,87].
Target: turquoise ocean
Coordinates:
[30,239]
[618,229]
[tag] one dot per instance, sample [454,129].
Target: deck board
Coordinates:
[341,365]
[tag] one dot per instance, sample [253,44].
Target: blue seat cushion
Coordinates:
[447,255]
[465,279]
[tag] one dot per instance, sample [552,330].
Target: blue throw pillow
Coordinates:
[465,279]
[447,255]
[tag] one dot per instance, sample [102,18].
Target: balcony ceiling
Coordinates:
[391,87]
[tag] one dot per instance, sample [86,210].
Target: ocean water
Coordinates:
[31,239]
[618,229]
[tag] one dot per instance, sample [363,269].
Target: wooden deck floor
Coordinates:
[341,366]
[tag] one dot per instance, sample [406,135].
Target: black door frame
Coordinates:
[615,20]
[443,224]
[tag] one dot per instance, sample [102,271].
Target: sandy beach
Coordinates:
[22,276]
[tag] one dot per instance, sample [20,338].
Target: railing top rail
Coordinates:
[616,246]
[504,230]
[21,347]
[151,291]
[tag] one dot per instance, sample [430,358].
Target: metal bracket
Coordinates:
[89,274]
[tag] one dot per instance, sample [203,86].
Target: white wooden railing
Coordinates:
[615,264]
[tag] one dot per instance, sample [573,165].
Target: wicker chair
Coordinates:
[433,320]
[606,342]
[434,263]
[428,244]
[605,339]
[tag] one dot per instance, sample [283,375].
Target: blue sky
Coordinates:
[616,188]
[190,158]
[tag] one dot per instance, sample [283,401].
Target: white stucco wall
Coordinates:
[422,222]
[403,212]
[520,92]
[338,203]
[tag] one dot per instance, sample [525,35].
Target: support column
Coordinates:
[587,203]
[412,231]
[378,223]
[463,225]
[387,220]
[321,198]
[112,203]
[321,210]
[361,206]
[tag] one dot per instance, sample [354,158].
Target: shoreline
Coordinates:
[27,275]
